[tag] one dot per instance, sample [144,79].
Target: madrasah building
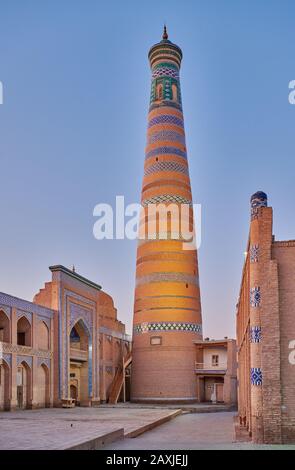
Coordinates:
[66,347]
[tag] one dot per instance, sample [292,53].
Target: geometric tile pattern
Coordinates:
[44,361]
[166,119]
[27,315]
[27,359]
[167,326]
[256,376]
[165,72]
[258,200]
[167,277]
[163,135]
[166,198]
[166,166]
[255,297]
[6,358]
[24,305]
[6,310]
[254,253]
[255,334]
[84,318]
[165,151]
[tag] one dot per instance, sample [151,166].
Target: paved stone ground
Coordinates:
[191,431]
[55,427]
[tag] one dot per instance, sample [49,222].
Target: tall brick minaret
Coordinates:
[167,309]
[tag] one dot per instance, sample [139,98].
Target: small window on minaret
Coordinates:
[160,91]
[156,341]
[174,92]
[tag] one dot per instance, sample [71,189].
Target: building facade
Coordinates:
[216,371]
[266,332]
[167,309]
[63,348]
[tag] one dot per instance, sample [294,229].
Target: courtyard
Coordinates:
[112,428]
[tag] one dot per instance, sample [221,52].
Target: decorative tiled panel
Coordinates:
[254,253]
[170,136]
[77,313]
[167,326]
[6,310]
[166,166]
[44,361]
[166,119]
[29,307]
[45,320]
[162,198]
[256,376]
[6,358]
[165,72]
[165,151]
[255,297]
[255,334]
[167,277]
[24,350]
[258,200]
[27,359]
[27,315]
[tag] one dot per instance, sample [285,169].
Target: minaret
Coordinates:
[259,254]
[167,308]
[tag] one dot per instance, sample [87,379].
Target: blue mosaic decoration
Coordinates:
[255,297]
[27,359]
[83,316]
[255,334]
[166,75]
[9,301]
[170,136]
[7,358]
[165,71]
[162,198]
[165,151]
[167,326]
[166,166]
[258,200]
[27,315]
[166,119]
[256,376]
[76,314]
[254,253]
[6,310]
[43,361]
[168,277]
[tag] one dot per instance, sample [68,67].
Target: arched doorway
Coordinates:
[80,363]
[43,393]
[4,386]
[24,335]
[73,392]
[43,336]
[24,386]
[4,327]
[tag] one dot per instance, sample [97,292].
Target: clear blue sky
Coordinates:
[72,134]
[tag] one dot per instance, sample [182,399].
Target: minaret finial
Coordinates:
[165,34]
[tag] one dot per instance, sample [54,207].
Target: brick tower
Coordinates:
[167,308]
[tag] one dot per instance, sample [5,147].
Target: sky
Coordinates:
[76,85]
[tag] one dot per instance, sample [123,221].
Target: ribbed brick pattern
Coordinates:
[167,295]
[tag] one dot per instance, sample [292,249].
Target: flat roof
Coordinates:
[73,274]
[213,342]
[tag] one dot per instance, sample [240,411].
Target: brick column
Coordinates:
[258,200]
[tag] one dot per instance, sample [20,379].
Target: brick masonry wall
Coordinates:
[284,253]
